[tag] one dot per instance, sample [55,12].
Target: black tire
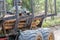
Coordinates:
[47,34]
[30,35]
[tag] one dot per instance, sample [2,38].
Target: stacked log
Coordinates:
[9,24]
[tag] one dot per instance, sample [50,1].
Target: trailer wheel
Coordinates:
[47,34]
[30,35]
[39,37]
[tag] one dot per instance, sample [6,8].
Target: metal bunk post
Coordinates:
[55,7]
[17,15]
[32,10]
[46,7]
[17,20]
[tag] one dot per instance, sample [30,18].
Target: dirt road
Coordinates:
[57,34]
[56,31]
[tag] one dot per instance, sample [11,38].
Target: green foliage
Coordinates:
[26,4]
[9,4]
[49,23]
[39,6]
[9,1]
[58,5]
[41,3]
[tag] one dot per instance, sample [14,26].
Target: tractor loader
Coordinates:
[25,26]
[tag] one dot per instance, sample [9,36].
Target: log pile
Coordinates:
[9,24]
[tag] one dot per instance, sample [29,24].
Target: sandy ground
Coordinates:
[57,34]
[56,31]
